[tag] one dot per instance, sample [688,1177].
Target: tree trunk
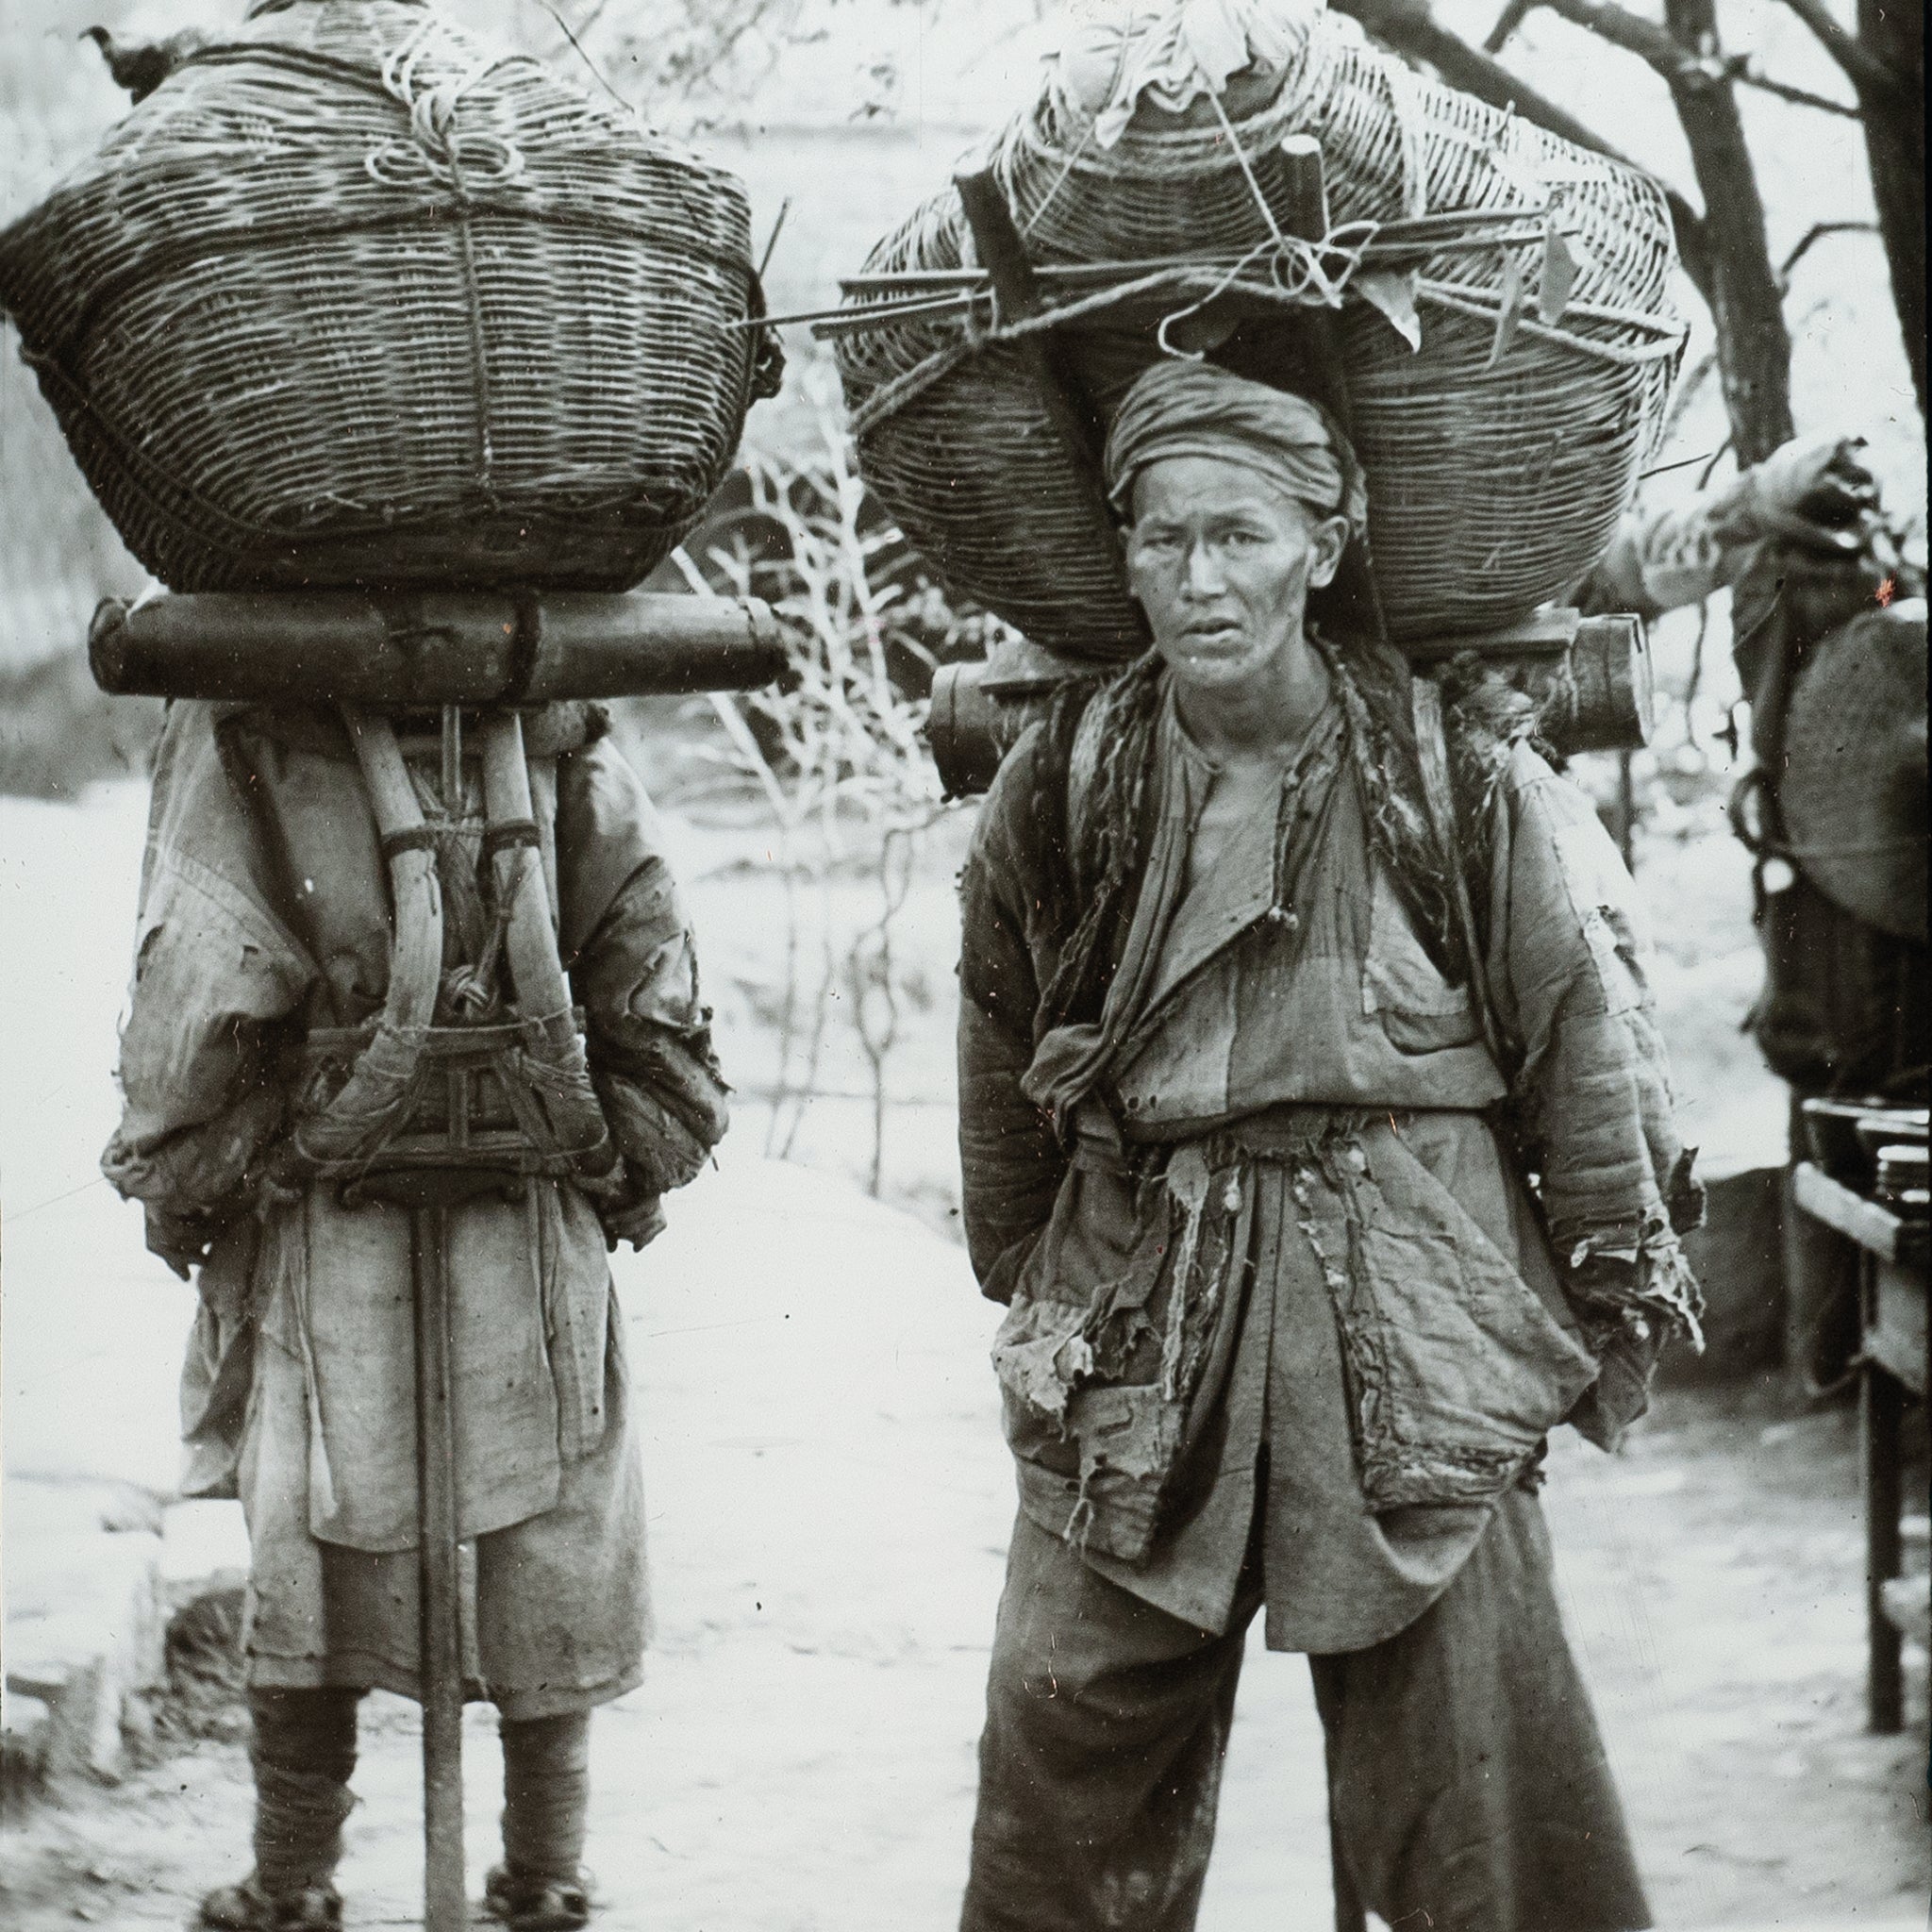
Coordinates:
[1753,347]
[1894,32]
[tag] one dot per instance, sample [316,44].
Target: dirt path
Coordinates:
[800,1756]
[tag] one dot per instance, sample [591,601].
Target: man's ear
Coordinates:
[1326,541]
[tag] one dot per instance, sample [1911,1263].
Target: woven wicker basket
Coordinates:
[353,298]
[1493,485]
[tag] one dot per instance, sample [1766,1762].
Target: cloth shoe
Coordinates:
[538,1905]
[247,1907]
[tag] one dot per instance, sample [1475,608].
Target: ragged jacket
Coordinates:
[264,913]
[1301,1022]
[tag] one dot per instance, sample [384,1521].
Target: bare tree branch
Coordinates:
[1742,70]
[1406,25]
[1678,63]
[1644,37]
[1861,65]
[1754,344]
[564,27]
[1745,296]
[1895,148]
[1815,234]
[1511,17]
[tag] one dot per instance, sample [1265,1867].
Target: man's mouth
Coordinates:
[1212,630]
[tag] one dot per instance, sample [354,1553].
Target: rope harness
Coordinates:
[453,1078]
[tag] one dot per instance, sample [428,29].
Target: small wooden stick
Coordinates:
[445,1901]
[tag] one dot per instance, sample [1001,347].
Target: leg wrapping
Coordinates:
[303,1752]
[546,1794]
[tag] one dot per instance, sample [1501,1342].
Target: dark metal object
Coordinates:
[432,648]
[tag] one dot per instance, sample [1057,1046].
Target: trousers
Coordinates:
[1468,1787]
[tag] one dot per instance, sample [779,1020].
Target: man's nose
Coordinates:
[1204,577]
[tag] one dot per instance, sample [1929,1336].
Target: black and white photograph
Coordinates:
[964,964]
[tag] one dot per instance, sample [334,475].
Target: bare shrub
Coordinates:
[837,756]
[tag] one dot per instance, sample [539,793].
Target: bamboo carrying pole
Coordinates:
[432,647]
[1076,421]
[415,970]
[445,1894]
[1589,676]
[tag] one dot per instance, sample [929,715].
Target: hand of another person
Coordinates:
[1816,490]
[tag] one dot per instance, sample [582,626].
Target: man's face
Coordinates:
[1222,561]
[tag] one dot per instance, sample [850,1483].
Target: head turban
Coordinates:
[1180,408]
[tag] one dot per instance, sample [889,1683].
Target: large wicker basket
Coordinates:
[1497,481]
[353,298]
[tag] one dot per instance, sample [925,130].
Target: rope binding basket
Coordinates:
[350,298]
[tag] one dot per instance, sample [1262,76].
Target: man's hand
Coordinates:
[638,1220]
[181,1237]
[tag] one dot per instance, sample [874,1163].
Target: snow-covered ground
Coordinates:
[830,1503]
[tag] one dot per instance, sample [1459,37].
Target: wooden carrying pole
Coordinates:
[432,647]
[445,1894]
[414,971]
[1076,422]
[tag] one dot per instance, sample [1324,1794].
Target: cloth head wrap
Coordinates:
[1180,408]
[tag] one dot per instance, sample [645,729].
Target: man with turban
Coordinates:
[1288,1325]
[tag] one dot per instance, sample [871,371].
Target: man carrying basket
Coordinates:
[1247,1126]
[264,923]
